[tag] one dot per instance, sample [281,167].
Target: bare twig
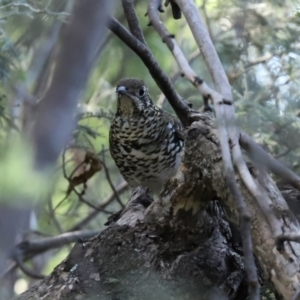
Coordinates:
[261,157]
[251,64]
[74,170]
[13,218]
[43,53]
[132,20]
[69,179]
[103,44]
[52,216]
[263,201]
[82,199]
[12,266]
[28,249]
[207,20]
[108,200]
[95,166]
[20,263]
[284,153]
[34,247]
[177,74]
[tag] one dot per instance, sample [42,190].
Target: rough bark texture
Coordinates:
[179,247]
[151,261]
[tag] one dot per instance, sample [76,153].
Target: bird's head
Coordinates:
[133,97]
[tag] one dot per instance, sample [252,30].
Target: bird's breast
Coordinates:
[147,152]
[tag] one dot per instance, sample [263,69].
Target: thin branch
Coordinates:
[95,166]
[258,61]
[262,198]
[52,216]
[43,53]
[20,263]
[108,200]
[207,20]
[262,158]
[284,153]
[132,20]
[83,200]
[109,179]
[103,44]
[74,170]
[28,249]
[34,247]
[177,74]
[12,266]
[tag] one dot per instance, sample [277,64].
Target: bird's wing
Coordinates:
[179,129]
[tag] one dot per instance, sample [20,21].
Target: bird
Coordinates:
[145,141]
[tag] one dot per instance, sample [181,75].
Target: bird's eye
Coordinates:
[142,91]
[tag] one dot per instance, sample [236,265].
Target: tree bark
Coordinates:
[181,246]
[151,261]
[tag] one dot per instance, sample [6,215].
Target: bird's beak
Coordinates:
[121,90]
